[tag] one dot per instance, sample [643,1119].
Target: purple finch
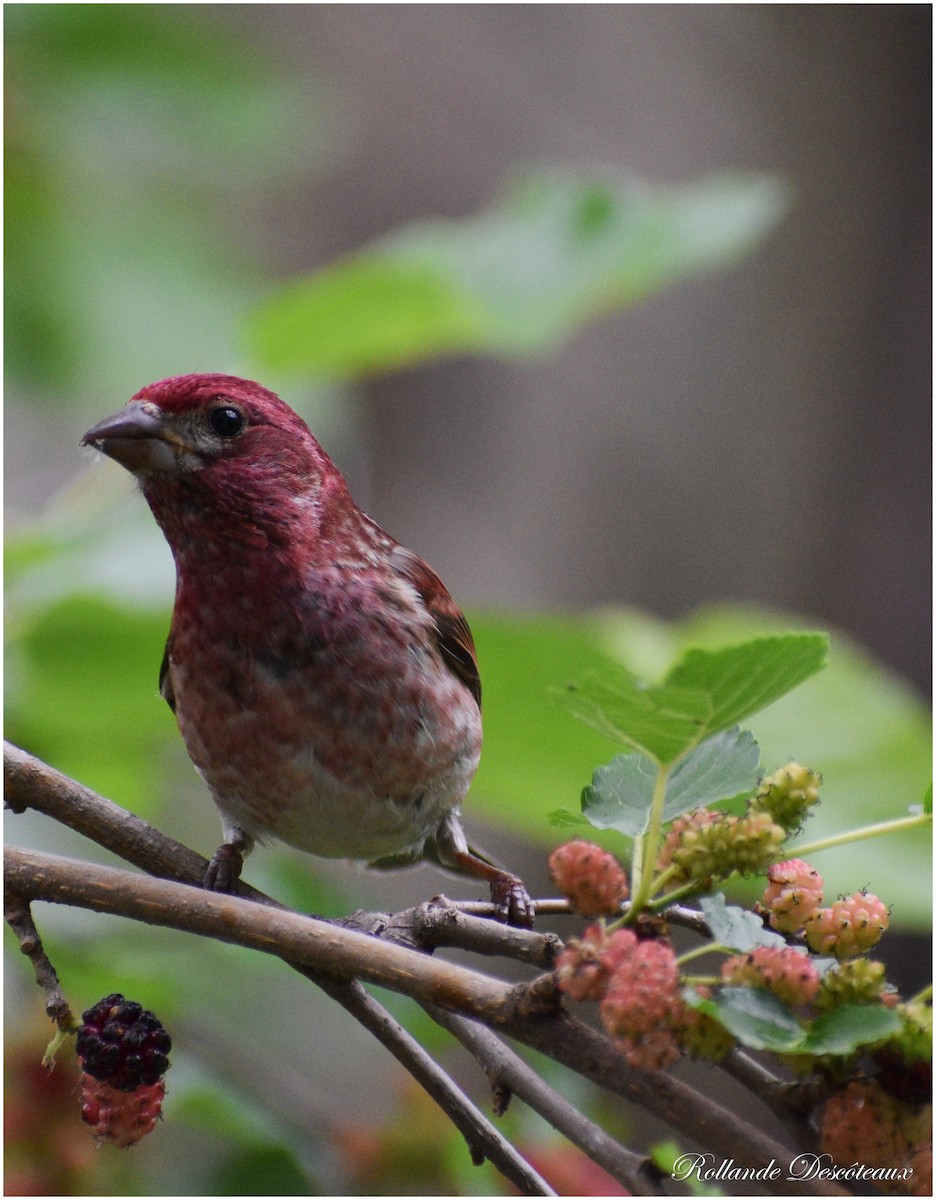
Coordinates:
[324,681]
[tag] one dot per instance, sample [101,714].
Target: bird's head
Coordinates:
[218,446]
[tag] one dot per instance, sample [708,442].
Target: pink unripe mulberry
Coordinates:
[652,1051]
[849,927]
[642,993]
[582,975]
[862,1123]
[119,1117]
[793,894]
[782,970]
[592,878]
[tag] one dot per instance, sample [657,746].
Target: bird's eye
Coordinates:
[226,420]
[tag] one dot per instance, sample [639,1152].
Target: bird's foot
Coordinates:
[512,902]
[225,868]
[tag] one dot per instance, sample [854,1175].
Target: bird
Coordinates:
[324,681]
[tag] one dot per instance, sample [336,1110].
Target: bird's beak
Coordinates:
[138,438]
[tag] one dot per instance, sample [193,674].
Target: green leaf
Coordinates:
[706,692]
[722,768]
[556,251]
[660,722]
[741,680]
[621,794]
[736,928]
[759,1020]
[755,1016]
[845,1029]
[534,757]
[670,1159]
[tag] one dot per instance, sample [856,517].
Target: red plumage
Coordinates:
[324,681]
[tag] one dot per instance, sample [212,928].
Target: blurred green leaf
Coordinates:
[556,251]
[138,141]
[262,1170]
[82,694]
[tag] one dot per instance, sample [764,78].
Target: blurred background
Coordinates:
[753,433]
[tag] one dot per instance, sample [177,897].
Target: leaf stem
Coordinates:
[857,835]
[698,951]
[651,842]
[684,889]
[637,857]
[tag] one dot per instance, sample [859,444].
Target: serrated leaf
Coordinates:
[721,768]
[845,1029]
[556,251]
[741,680]
[620,794]
[736,928]
[755,1016]
[706,692]
[660,722]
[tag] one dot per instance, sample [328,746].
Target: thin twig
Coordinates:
[19,918]
[776,1093]
[443,922]
[484,1140]
[507,1070]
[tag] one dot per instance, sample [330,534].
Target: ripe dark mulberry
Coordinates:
[122,1044]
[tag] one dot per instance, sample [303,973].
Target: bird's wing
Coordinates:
[456,645]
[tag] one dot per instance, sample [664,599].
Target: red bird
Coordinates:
[324,681]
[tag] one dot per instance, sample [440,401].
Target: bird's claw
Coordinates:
[512,902]
[224,870]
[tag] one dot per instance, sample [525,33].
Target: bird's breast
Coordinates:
[347,738]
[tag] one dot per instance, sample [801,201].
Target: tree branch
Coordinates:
[30,783]
[507,1071]
[484,1140]
[344,954]
[19,918]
